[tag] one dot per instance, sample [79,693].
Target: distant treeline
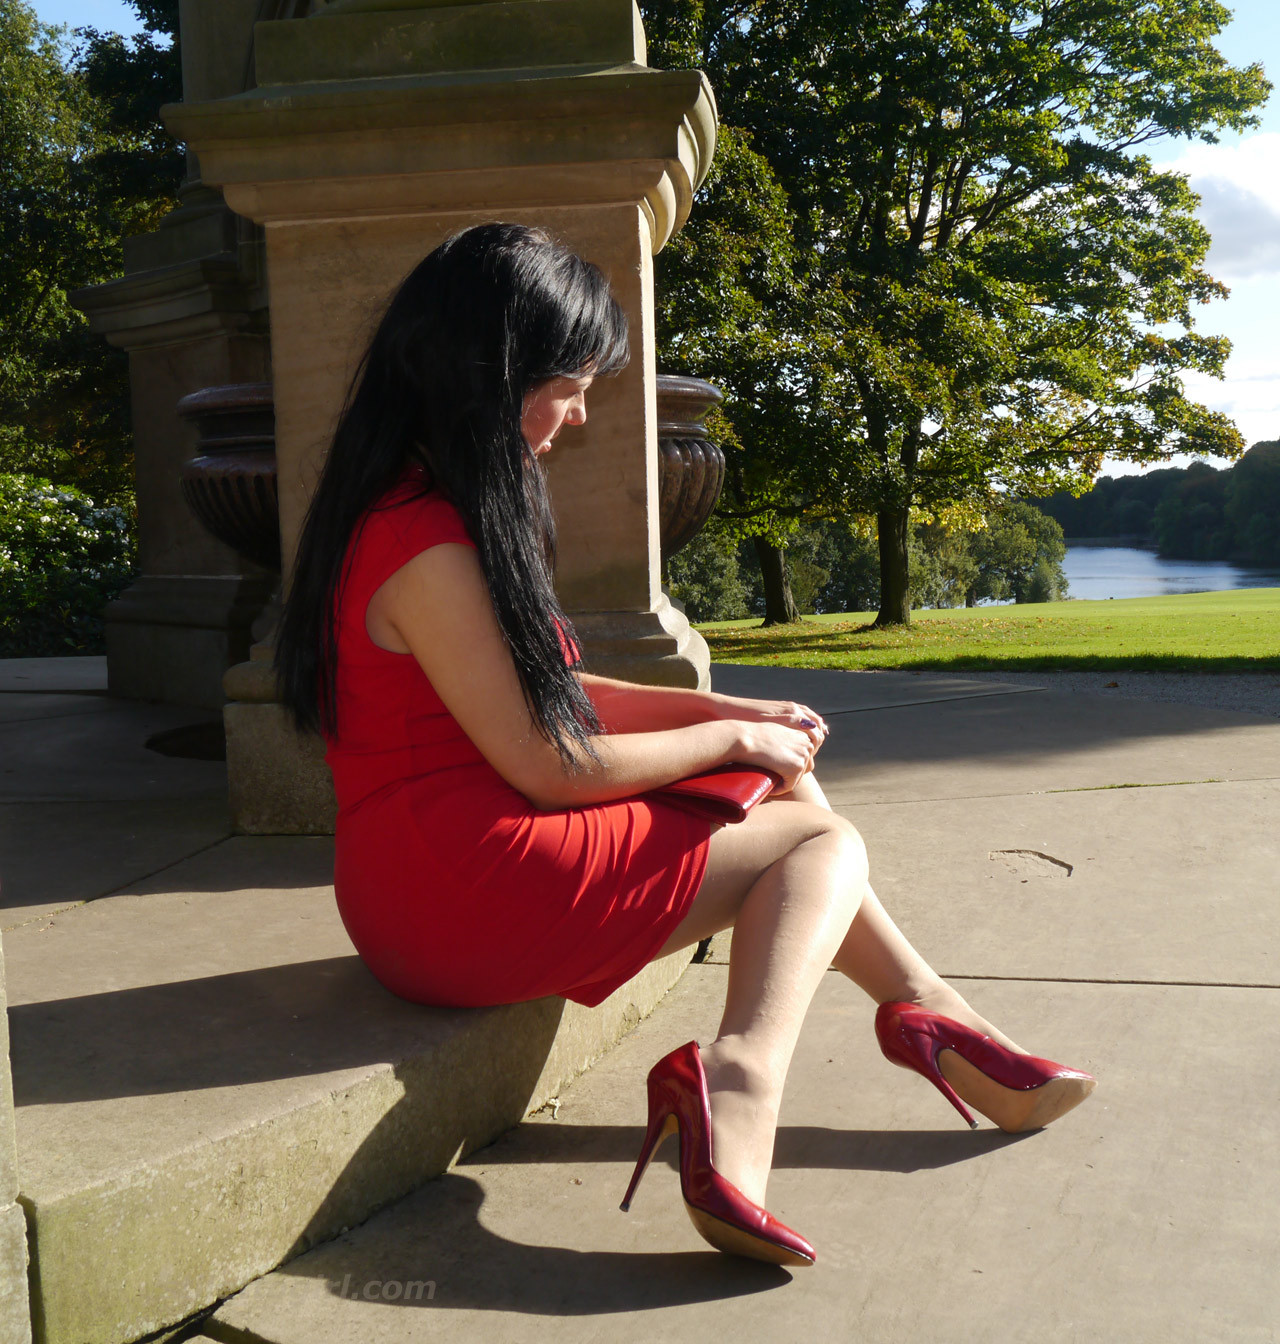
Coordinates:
[834,566]
[1191,513]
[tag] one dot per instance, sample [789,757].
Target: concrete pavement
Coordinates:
[1099,876]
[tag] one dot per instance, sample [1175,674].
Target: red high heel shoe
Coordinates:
[719,1210]
[1016,1092]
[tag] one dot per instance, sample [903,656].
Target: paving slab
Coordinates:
[25,707]
[904,735]
[1176,884]
[53,855]
[832,691]
[1030,743]
[1147,1215]
[208,1081]
[87,757]
[81,674]
[1172,884]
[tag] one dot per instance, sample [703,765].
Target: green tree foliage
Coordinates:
[707,578]
[1192,513]
[1253,504]
[973,280]
[1190,519]
[62,558]
[1116,506]
[83,164]
[1017,556]
[1019,542]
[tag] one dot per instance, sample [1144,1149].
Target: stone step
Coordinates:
[209,1083]
[1147,1216]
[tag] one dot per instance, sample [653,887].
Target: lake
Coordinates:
[1126,571]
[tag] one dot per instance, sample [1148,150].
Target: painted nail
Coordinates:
[807,723]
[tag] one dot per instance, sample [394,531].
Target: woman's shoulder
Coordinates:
[417,514]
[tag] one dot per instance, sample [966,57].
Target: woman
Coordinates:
[492,844]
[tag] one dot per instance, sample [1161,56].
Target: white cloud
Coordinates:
[1250,396]
[1239,188]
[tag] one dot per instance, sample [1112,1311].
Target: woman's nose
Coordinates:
[577,411]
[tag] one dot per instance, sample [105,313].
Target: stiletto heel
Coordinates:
[1016,1092]
[723,1215]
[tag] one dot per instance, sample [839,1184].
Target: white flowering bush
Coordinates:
[62,559]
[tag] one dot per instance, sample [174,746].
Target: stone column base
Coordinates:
[651,648]
[170,637]
[277,781]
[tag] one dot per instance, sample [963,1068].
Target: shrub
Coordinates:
[1043,585]
[706,577]
[62,559]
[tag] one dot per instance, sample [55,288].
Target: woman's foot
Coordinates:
[944,1000]
[970,1068]
[744,1118]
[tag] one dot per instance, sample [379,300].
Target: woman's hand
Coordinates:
[786,713]
[771,745]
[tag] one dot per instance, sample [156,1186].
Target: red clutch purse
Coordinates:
[725,794]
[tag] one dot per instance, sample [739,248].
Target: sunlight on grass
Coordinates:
[1233,631]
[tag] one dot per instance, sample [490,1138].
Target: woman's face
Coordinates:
[551,405]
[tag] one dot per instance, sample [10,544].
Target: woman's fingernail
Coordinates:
[807,723]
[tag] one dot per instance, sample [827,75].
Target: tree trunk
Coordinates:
[895,592]
[779,606]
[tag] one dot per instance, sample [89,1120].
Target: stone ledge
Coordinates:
[197,1107]
[15,1315]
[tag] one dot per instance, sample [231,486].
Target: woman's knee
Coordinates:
[743,853]
[821,821]
[837,834]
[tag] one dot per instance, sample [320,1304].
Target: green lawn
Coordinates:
[1235,631]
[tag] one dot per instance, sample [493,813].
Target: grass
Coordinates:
[1234,631]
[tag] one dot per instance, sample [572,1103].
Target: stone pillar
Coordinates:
[15,1311]
[378,128]
[191,310]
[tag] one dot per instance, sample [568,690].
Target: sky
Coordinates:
[1238,181]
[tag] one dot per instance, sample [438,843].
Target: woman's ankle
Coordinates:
[732,1066]
[744,1116]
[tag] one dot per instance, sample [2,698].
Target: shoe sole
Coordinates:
[725,1237]
[1014,1110]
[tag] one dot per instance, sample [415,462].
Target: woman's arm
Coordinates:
[438,604]
[624,707]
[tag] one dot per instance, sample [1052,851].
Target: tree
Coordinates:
[990,286]
[1190,520]
[706,577]
[1005,553]
[1049,550]
[943,569]
[1253,504]
[83,163]
[730,308]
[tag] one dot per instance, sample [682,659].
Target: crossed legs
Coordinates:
[791,880]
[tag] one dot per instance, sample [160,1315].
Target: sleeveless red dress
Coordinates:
[454,888]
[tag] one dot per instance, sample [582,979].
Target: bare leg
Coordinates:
[792,882]
[789,881]
[877,957]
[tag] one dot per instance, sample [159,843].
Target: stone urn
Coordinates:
[690,465]
[230,484]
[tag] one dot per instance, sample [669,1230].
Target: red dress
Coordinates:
[453,887]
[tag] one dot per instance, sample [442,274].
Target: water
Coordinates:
[1126,571]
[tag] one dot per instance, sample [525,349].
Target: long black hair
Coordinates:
[491,312]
